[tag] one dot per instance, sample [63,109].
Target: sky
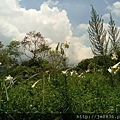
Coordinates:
[57,20]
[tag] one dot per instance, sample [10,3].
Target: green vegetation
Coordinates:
[43,83]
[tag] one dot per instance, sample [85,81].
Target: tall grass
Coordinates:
[60,94]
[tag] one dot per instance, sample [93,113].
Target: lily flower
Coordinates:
[114,69]
[47,71]
[71,73]
[114,56]
[116,65]
[75,73]
[64,72]
[81,75]
[88,70]
[35,84]
[110,70]
[9,78]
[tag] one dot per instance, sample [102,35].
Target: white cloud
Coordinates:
[106,17]
[51,3]
[10,30]
[115,8]
[53,24]
[83,26]
[77,50]
[82,29]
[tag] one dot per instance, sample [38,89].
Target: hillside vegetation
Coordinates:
[36,80]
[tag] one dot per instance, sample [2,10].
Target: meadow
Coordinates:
[34,92]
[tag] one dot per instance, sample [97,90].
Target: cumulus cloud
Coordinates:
[115,8]
[53,24]
[77,50]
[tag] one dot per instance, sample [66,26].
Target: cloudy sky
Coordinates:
[57,20]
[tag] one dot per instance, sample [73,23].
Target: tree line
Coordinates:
[34,50]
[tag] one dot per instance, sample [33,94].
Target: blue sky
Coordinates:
[57,20]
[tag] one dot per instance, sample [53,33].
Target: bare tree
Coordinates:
[35,43]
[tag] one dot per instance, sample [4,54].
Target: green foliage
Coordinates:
[6,61]
[1,45]
[14,50]
[39,86]
[98,62]
[91,93]
[83,65]
[57,57]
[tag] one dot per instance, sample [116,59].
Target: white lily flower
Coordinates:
[116,65]
[81,75]
[88,70]
[9,78]
[64,72]
[110,70]
[35,84]
[71,73]
[76,73]
[47,71]
[114,56]
[114,69]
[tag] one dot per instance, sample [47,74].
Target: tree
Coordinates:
[34,43]
[97,34]
[57,57]
[14,50]
[6,61]
[1,45]
[113,35]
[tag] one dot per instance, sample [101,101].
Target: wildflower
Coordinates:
[114,56]
[64,72]
[88,70]
[47,71]
[74,72]
[66,44]
[110,70]
[71,73]
[116,65]
[114,69]
[81,75]
[35,84]
[9,78]
[0,63]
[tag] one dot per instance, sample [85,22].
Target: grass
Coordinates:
[59,94]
